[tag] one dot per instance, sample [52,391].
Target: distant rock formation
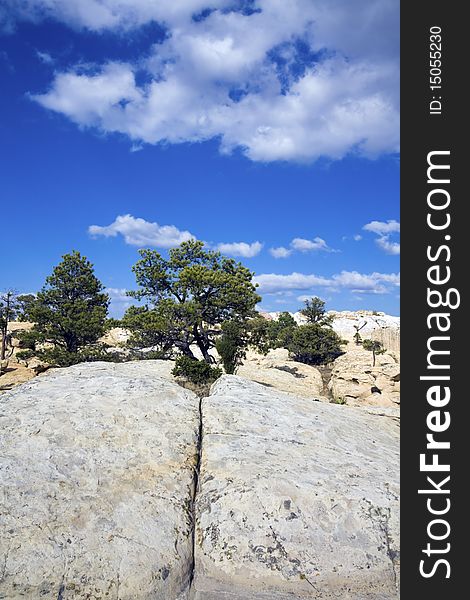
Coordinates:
[375,325]
[356,382]
[118,483]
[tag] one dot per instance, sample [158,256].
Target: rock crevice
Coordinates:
[143,490]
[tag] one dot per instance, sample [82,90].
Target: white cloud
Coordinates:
[357,238]
[45,57]
[240,249]
[119,301]
[117,294]
[273,282]
[280,252]
[387,246]
[285,107]
[99,15]
[139,232]
[301,245]
[373,283]
[383,227]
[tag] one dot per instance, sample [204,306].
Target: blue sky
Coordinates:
[269,133]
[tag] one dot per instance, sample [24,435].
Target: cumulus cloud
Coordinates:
[119,301]
[387,246]
[280,81]
[139,232]
[373,283]
[301,245]
[280,252]
[384,229]
[240,249]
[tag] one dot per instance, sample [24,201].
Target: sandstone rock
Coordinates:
[375,325]
[115,337]
[355,381]
[296,500]
[96,480]
[276,370]
[15,374]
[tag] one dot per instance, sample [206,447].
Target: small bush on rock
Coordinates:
[315,345]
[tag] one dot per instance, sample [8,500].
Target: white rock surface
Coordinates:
[96,480]
[297,499]
[355,381]
[278,371]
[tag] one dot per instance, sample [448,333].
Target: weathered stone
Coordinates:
[276,370]
[96,484]
[355,381]
[297,499]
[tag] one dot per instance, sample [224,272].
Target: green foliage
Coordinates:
[231,345]
[315,312]
[264,335]
[261,336]
[198,372]
[194,291]
[283,330]
[373,346]
[69,314]
[149,329]
[313,344]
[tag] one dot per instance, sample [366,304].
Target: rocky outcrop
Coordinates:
[117,483]
[278,371]
[374,325]
[97,481]
[297,499]
[356,382]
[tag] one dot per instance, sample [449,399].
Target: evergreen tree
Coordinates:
[194,291]
[69,314]
[375,347]
[315,312]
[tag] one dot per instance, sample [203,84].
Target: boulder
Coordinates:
[276,370]
[356,382]
[296,499]
[97,479]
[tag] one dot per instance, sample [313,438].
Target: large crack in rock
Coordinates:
[117,483]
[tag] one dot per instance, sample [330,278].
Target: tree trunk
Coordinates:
[4,345]
[186,350]
[5,327]
[202,345]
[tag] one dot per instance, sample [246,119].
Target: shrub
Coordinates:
[266,335]
[231,345]
[315,345]
[196,371]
